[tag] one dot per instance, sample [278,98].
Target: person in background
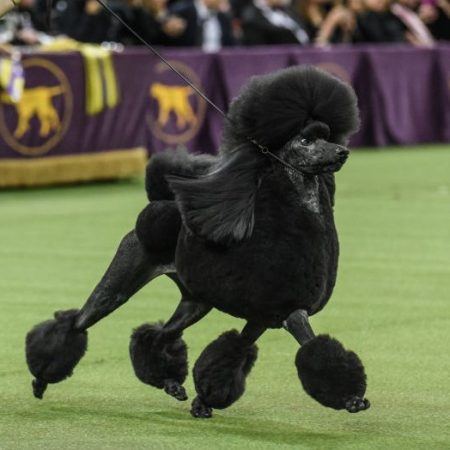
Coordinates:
[237,9]
[208,24]
[152,20]
[22,26]
[378,24]
[436,15]
[238,6]
[341,24]
[62,17]
[272,22]
[93,24]
[313,14]
[417,33]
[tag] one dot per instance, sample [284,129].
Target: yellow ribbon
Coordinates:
[5,72]
[12,82]
[102,89]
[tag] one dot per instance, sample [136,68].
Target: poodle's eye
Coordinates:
[305,142]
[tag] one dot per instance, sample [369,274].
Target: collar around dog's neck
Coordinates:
[265,151]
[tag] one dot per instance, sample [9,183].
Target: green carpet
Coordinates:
[391,305]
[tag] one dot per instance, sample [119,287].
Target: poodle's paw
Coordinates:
[200,410]
[174,389]
[356,404]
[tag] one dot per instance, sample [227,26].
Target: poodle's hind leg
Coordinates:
[157,351]
[54,347]
[330,374]
[222,368]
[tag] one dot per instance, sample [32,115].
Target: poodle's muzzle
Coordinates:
[314,157]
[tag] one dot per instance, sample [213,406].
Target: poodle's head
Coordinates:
[302,114]
[311,152]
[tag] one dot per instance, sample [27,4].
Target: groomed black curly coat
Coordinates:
[248,232]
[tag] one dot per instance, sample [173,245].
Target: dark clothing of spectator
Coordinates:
[259,29]
[380,27]
[64,15]
[94,28]
[69,17]
[148,27]
[440,28]
[239,6]
[194,35]
[36,20]
[338,36]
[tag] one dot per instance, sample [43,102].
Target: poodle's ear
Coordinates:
[219,206]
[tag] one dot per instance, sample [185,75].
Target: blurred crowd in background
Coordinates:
[213,24]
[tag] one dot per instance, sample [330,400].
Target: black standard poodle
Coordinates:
[249,232]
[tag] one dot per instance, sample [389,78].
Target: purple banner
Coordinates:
[73,105]
[407,99]
[442,92]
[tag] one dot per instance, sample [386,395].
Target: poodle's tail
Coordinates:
[179,163]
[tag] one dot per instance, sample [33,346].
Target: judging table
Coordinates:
[85,118]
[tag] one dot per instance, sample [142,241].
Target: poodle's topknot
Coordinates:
[273,108]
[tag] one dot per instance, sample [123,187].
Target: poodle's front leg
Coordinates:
[222,368]
[298,325]
[330,374]
[158,352]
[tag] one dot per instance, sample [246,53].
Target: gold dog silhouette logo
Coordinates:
[176,111]
[36,102]
[38,121]
[174,99]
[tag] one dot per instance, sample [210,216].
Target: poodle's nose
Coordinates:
[342,152]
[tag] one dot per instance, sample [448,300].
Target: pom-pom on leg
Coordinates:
[332,375]
[159,359]
[220,373]
[53,349]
